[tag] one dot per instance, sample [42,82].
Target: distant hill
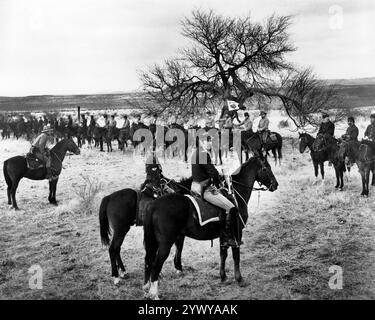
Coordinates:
[63,102]
[358,93]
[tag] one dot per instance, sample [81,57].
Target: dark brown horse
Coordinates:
[256,144]
[118,211]
[325,148]
[15,169]
[173,216]
[363,154]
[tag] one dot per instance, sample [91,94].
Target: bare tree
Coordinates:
[228,58]
[303,96]
[235,59]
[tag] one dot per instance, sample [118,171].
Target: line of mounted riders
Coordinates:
[90,131]
[342,152]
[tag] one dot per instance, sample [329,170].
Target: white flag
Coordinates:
[232,105]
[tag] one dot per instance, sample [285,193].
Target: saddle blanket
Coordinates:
[206,212]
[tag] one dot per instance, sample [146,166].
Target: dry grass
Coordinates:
[292,237]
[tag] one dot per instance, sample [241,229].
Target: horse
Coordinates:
[363,154]
[325,148]
[256,144]
[119,210]
[172,216]
[16,168]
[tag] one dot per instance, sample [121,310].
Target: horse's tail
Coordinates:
[7,178]
[103,221]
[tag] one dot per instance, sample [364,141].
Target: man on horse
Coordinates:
[40,150]
[327,127]
[352,132]
[246,124]
[84,122]
[154,174]
[263,125]
[206,183]
[370,130]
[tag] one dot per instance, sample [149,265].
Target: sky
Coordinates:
[99,46]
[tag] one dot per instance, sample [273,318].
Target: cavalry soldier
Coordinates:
[112,122]
[39,148]
[92,122]
[126,124]
[352,132]
[210,122]
[206,181]
[228,124]
[327,127]
[154,119]
[370,131]
[84,122]
[106,121]
[154,174]
[263,126]
[247,123]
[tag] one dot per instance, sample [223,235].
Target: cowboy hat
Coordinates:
[263,112]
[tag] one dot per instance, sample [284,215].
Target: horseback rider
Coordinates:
[40,150]
[154,119]
[352,131]
[247,124]
[263,124]
[106,121]
[370,130]
[84,122]
[112,122]
[327,127]
[126,123]
[153,184]
[206,183]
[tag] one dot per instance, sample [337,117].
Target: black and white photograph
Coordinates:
[193,150]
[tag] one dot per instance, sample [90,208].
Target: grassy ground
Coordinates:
[292,238]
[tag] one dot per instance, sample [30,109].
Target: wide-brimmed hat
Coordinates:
[47,129]
[325,115]
[263,112]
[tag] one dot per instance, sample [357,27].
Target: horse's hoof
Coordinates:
[151,296]
[116,280]
[223,278]
[123,274]
[146,288]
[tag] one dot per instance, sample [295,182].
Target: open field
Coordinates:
[292,238]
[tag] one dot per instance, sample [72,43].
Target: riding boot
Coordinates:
[228,237]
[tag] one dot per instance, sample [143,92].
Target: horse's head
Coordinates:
[304,141]
[72,147]
[265,175]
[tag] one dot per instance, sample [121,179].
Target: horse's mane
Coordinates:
[244,165]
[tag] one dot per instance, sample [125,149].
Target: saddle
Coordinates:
[144,198]
[205,212]
[33,162]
